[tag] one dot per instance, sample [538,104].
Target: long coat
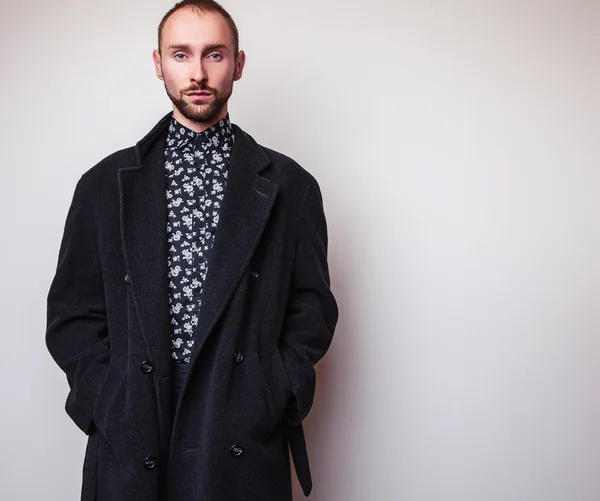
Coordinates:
[267,318]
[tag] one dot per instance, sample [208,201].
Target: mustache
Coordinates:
[198,88]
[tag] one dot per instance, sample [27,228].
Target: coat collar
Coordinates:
[248,201]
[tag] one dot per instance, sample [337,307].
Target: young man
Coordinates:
[192,298]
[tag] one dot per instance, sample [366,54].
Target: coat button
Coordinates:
[149,462]
[238,356]
[236,451]
[147,367]
[127,278]
[254,275]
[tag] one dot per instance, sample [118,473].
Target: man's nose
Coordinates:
[199,72]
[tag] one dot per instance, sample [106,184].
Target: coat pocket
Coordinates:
[109,408]
[90,468]
[277,385]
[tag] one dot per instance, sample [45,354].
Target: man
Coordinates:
[191,299]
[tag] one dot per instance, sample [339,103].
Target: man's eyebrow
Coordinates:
[188,47]
[218,46]
[184,46]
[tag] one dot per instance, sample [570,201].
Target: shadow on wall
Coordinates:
[324,415]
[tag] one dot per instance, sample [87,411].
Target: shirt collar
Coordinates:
[219,134]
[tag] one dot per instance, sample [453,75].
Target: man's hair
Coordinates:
[203,6]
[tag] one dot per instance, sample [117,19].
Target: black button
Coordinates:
[149,462]
[254,275]
[238,356]
[147,367]
[127,278]
[236,451]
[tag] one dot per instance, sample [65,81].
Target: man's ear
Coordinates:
[240,61]
[157,67]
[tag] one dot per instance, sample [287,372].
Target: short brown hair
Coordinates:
[204,6]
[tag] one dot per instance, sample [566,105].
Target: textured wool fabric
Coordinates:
[268,316]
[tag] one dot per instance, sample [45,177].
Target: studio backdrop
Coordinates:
[457,148]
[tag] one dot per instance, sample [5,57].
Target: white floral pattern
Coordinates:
[196,166]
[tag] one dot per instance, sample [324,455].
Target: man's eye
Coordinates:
[215,56]
[177,56]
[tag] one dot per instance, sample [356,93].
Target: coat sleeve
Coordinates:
[76,332]
[311,313]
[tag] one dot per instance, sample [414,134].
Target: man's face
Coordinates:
[197,65]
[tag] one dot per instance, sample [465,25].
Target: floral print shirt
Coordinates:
[196,165]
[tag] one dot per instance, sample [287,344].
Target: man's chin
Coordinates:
[200,113]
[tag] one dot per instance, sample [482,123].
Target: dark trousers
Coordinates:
[180,370]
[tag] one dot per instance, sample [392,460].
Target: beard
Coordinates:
[198,112]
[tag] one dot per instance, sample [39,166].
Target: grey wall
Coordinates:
[456,144]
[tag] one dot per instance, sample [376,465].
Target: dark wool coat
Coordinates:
[267,318]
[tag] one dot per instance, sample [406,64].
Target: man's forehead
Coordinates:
[190,19]
[196,28]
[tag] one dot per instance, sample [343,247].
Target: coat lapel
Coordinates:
[247,204]
[143,205]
